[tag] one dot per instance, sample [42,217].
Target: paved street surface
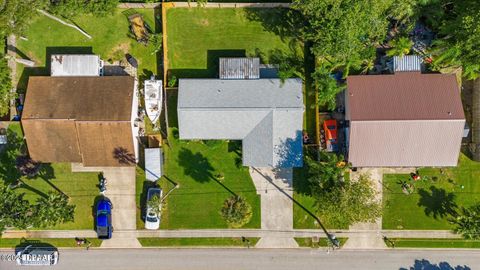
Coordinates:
[265,259]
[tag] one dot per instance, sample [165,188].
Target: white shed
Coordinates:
[76,65]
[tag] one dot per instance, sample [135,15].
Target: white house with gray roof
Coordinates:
[266,114]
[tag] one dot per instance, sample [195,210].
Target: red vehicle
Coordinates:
[330,127]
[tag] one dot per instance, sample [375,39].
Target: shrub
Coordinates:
[236,211]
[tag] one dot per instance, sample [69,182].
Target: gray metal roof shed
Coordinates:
[75,65]
[153,163]
[239,68]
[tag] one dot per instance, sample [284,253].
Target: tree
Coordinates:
[459,36]
[5,86]
[344,35]
[400,46]
[351,202]
[327,173]
[15,210]
[468,222]
[340,201]
[236,211]
[346,31]
[15,15]
[52,210]
[328,89]
[155,205]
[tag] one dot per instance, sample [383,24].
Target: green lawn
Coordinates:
[197,37]
[80,187]
[109,40]
[432,243]
[436,196]
[194,165]
[322,242]
[57,242]
[192,242]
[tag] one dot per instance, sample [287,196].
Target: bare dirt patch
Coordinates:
[119,51]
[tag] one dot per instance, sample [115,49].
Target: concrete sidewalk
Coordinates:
[441,234]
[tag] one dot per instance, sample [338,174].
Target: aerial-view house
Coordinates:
[81,118]
[266,114]
[405,119]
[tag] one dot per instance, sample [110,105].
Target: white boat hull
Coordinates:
[153,99]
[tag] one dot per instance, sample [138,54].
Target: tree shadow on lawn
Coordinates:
[198,167]
[438,203]
[284,22]
[15,147]
[425,264]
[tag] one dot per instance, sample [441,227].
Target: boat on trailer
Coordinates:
[153,99]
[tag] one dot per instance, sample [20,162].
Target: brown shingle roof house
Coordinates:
[81,119]
[407,119]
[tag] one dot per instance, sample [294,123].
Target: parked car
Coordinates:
[152,219]
[35,255]
[104,219]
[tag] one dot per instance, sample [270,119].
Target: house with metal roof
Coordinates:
[405,119]
[265,114]
[81,119]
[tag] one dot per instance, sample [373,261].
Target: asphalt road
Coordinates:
[265,259]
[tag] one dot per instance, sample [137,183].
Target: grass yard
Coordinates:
[432,243]
[109,40]
[322,242]
[435,197]
[197,37]
[57,242]
[80,187]
[194,165]
[197,242]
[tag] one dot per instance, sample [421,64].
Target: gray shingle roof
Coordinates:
[266,114]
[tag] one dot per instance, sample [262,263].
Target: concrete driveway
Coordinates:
[275,189]
[121,192]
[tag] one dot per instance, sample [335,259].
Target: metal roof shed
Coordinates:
[75,65]
[239,68]
[407,63]
[153,164]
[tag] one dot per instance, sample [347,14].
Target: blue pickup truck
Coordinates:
[104,219]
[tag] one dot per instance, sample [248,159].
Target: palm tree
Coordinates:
[400,47]
[468,222]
